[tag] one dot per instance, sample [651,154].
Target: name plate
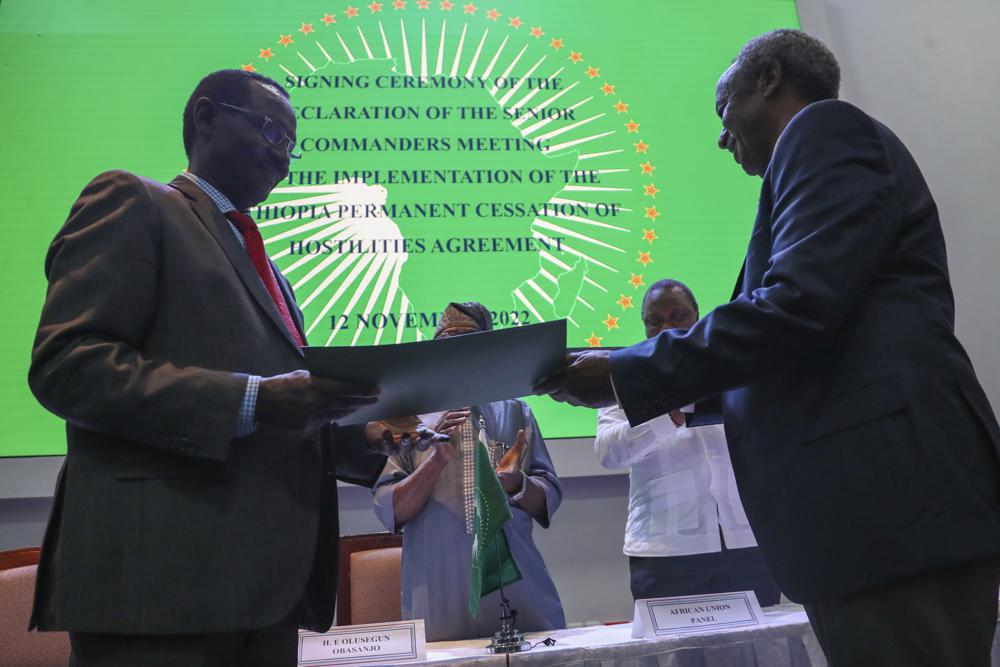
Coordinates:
[695,613]
[372,644]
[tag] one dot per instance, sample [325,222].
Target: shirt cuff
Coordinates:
[246,422]
[524,487]
[663,426]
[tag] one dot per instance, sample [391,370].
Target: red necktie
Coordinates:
[255,246]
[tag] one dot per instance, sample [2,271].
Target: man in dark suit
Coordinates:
[865,451]
[195,518]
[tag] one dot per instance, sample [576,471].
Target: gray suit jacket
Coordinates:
[163,522]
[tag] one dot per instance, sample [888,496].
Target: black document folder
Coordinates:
[459,371]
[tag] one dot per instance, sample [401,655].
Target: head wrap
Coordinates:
[467,314]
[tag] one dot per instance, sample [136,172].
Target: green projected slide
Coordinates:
[549,158]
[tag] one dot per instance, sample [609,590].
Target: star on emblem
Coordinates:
[649,235]
[399,4]
[285,40]
[611,322]
[594,340]
[470,8]
[515,22]
[306,28]
[608,89]
[575,56]
[249,68]
[641,147]
[644,258]
[636,280]
[652,213]
[621,107]
[651,191]
[351,12]
[266,53]
[328,19]
[593,72]
[647,167]
[493,15]
[537,32]
[447,5]
[556,43]
[423,4]
[632,126]
[625,302]
[375,7]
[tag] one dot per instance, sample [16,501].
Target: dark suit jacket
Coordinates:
[863,445]
[163,522]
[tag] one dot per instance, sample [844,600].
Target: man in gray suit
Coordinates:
[195,518]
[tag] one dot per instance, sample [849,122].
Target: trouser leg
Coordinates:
[940,618]
[272,646]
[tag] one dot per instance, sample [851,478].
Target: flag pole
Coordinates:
[508,639]
[505,610]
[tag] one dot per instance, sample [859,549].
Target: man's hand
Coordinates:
[511,480]
[448,425]
[298,401]
[509,469]
[512,457]
[585,380]
[443,449]
[451,422]
[401,436]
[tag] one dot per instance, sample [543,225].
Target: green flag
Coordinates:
[492,563]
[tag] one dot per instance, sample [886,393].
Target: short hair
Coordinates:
[667,284]
[228,85]
[807,65]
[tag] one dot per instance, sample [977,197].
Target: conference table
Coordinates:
[783,640]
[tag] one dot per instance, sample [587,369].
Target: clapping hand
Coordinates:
[449,424]
[584,380]
[509,469]
[511,459]
[451,421]
[401,436]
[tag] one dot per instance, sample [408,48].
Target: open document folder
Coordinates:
[455,372]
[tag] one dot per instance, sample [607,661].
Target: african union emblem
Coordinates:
[451,152]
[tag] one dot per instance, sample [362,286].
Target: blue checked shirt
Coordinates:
[246,422]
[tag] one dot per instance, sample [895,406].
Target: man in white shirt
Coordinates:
[686,532]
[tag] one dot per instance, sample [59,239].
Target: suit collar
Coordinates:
[217,224]
[758,254]
[221,200]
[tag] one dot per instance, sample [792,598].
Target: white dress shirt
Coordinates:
[681,485]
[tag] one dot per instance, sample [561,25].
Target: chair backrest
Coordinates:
[17,591]
[19,557]
[375,585]
[368,586]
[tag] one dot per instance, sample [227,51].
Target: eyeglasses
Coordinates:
[269,129]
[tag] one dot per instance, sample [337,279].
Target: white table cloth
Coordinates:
[784,641]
